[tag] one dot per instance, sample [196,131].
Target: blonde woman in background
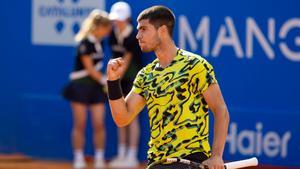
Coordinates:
[86,88]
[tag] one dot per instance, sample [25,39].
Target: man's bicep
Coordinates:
[213,97]
[135,103]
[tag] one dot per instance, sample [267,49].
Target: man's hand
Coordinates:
[115,68]
[214,162]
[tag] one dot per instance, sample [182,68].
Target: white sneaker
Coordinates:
[124,163]
[116,162]
[79,164]
[131,162]
[99,164]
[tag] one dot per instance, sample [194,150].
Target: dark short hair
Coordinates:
[158,16]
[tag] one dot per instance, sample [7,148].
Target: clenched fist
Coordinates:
[115,68]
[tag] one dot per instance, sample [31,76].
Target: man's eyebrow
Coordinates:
[140,26]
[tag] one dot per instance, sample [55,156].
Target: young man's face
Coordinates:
[147,36]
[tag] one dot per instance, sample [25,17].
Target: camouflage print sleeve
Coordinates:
[206,76]
[138,84]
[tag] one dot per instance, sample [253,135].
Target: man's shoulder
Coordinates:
[85,46]
[112,37]
[150,67]
[85,41]
[131,39]
[196,58]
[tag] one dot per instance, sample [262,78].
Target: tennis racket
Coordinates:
[187,164]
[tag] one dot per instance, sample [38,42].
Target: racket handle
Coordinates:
[242,163]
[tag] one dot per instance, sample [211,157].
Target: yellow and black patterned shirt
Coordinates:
[178,112]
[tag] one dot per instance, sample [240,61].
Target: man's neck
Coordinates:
[166,53]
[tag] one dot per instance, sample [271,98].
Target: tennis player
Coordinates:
[179,88]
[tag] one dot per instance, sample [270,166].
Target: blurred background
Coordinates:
[253,45]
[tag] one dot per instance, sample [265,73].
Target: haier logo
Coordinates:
[257,142]
[55,22]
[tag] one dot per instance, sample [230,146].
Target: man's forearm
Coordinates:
[221,121]
[119,112]
[117,103]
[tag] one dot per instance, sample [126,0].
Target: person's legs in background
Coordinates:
[128,139]
[128,142]
[133,134]
[121,144]
[118,161]
[98,117]
[133,144]
[78,134]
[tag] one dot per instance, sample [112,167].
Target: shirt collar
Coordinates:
[124,34]
[92,38]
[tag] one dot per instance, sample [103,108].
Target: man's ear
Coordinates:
[162,31]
